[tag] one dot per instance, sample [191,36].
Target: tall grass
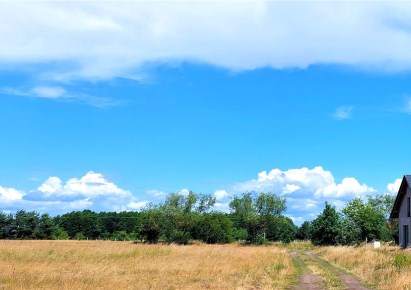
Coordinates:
[123,265]
[384,268]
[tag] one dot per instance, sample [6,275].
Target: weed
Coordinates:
[401,260]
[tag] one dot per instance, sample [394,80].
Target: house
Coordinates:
[402,211]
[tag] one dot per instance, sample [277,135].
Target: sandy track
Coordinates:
[312,281]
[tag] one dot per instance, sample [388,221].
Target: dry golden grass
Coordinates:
[384,268]
[123,265]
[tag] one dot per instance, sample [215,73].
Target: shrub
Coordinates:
[401,260]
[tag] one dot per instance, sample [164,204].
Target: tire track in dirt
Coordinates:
[336,278]
[308,280]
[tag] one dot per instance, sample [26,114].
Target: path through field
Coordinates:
[317,274]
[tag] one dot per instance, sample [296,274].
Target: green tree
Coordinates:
[368,219]
[254,213]
[120,236]
[213,228]
[60,234]
[79,236]
[85,222]
[281,229]
[3,225]
[350,232]
[304,231]
[180,214]
[151,224]
[326,227]
[46,228]
[384,204]
[26,224]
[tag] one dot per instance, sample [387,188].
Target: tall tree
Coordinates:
[304,232]
[254,212]
[368,219]
[326,226]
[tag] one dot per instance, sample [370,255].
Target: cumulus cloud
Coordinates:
[102,40]
[10,194]
[306,189]
[304,181]
[343,113]
[395,186]
[90,185]
[91,191]
[220,194]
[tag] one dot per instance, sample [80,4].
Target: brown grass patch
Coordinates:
[384,268]
[123,265]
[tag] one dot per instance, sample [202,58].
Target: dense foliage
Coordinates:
[254,218]
[357,222]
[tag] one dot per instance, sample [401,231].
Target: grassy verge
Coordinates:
[384,268]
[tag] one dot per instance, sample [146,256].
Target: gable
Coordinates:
[405,184]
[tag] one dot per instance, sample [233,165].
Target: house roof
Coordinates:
[406,182]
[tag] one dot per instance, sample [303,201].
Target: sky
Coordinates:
[109,106]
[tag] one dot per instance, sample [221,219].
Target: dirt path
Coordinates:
[318,274]
[308,280]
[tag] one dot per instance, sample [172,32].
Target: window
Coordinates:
[408,207]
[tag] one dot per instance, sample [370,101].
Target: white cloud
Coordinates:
[51,186]
[156,193]
[10,194]
[343,113]
[59,93]
[220,194]
[90,185]
[184,191]
[304,181]
[395,186]
[137,205]
[290,188]
[49,92]
[222,206]
[306,189]
[349,186]
[101,40]
[91,191]
[303,204]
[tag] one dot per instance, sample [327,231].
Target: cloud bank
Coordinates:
[91,191]
[103,40]
[305,189]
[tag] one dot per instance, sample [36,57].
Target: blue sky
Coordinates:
[108,106]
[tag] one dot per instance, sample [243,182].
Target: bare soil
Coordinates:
[312,281]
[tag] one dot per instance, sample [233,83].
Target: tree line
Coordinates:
[356,223]
[253,218]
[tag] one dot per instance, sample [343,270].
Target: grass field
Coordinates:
[123,265]
[383,268]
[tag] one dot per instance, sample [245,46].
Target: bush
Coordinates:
[60,234]
[120,236]
[214,228]
[401,260]
[79,236]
